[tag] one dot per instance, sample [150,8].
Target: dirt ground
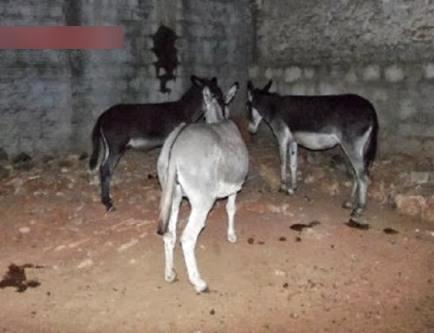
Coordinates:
[87,271]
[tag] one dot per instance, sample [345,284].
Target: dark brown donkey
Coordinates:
[143,126]
[317,123]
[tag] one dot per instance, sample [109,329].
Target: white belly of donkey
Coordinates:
[316,141]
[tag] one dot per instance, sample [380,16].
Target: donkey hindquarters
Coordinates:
[206,162]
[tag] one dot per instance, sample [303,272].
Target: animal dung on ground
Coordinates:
[357,225]
[300,226]
[251,241]
[16,277]
[390,231]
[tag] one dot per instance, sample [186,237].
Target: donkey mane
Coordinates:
[266,93]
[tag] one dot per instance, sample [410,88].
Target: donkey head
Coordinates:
[254,115]
[200,83]
[212,85]
[216,108]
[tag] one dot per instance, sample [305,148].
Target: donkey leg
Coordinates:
[355,153]
[106,171]
[362,190]
[230,210]
[283,149]
[350,204]
[195,224]
[356,161]
[293,148]
[170,236]
[360,184]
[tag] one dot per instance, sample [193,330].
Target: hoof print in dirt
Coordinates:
[357,225]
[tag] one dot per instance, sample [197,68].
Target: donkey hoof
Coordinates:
[291,191]
[347,205]
[110,208]
[360,219]
[171,277]
[356,215]
[202,290]
[283,188]
[201,287]
[232,238]
[108,203]
[356,212]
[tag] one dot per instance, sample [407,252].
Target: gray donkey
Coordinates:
[203,162]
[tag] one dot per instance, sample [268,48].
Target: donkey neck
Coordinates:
[191,103]
[269,106]
[214,116]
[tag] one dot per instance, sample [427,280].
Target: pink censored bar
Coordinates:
[65,37]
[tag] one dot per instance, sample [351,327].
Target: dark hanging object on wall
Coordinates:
[165,50]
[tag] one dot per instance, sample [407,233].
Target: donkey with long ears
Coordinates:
[203,162]
[143,126]
[317,123]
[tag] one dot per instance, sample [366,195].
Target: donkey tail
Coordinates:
[167,176]
[96,145]
[371,149]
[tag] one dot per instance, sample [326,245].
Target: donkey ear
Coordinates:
[214,80]
[231,93]
[250,85]
[196,81]
[206,95]
[268,86]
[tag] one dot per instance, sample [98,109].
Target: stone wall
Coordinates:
[381,49]
[35,86]
[49,99]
